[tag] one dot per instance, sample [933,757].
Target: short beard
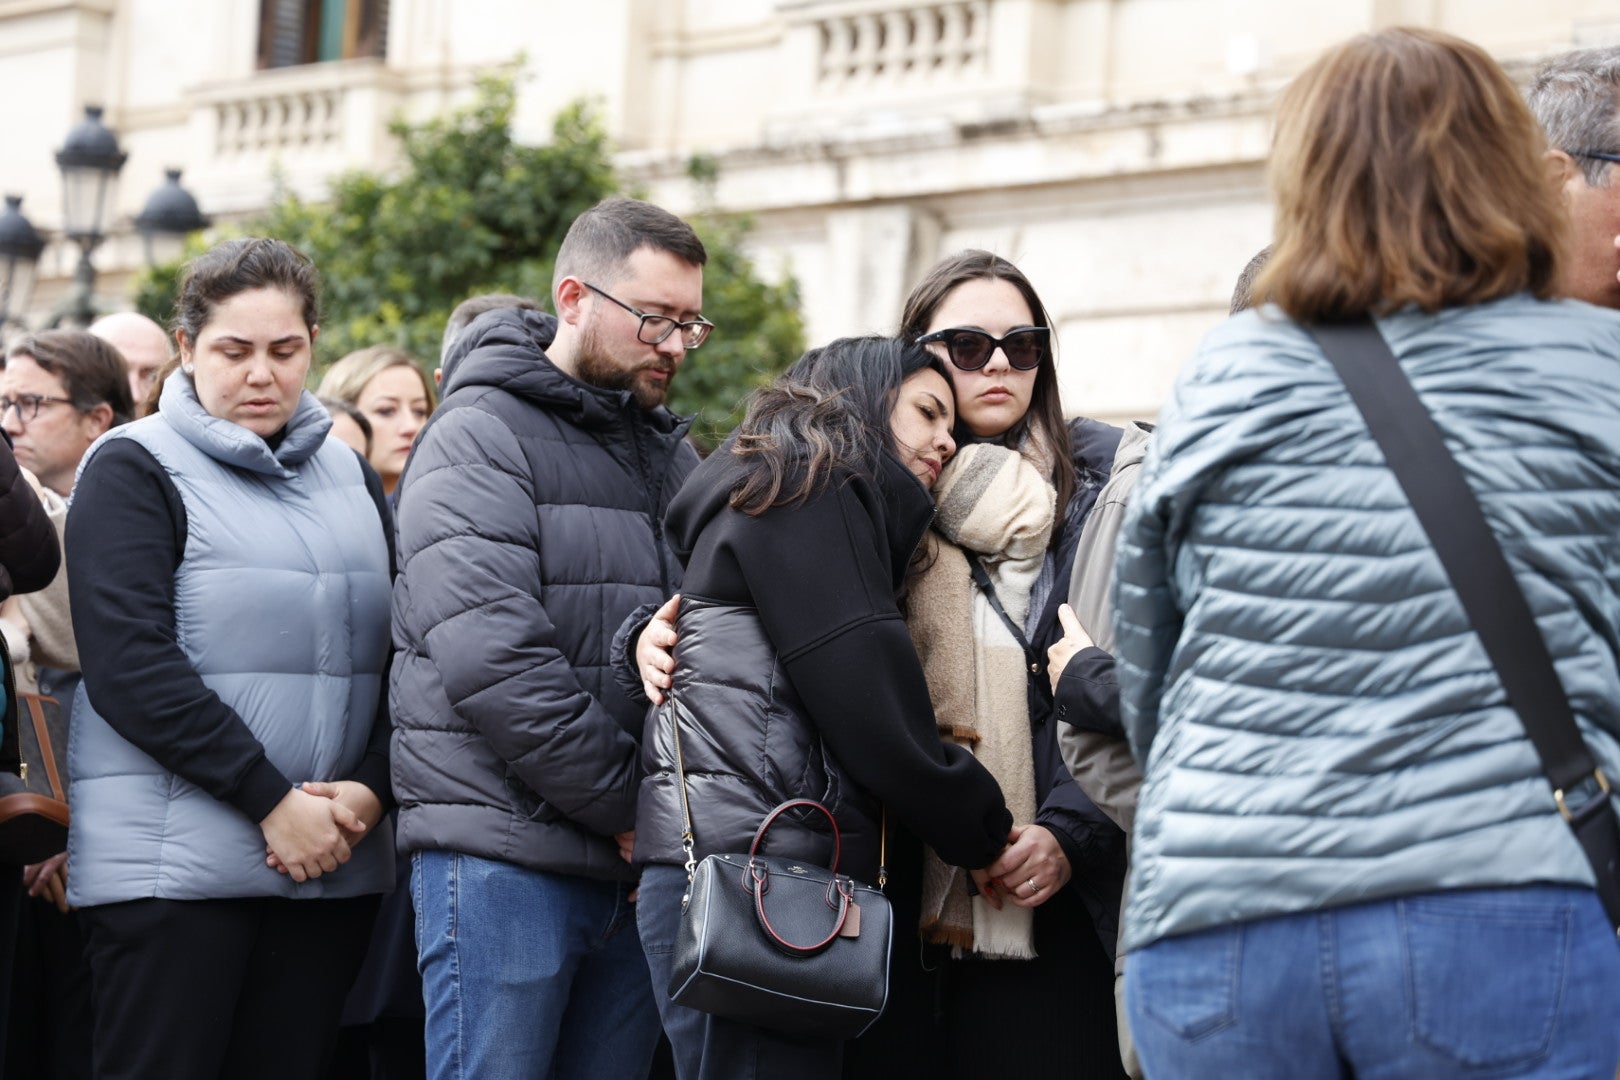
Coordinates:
[593,365]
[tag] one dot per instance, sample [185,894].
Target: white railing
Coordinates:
[291,121]
[902,45]
[332,109]
[296,126]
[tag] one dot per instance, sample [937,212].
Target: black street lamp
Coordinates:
[169,216]
[90,161]
[20,248]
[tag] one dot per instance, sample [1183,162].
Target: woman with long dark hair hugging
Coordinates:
[795,675]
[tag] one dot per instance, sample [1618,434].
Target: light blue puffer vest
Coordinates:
[282,606]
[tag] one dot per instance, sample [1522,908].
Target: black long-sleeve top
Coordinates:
[127,534]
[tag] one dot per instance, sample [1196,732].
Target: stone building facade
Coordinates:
[1113,148]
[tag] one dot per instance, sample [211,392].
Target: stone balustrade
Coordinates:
[297,121]
[299,125]
[902,44]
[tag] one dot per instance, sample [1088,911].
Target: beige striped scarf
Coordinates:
[1000,504]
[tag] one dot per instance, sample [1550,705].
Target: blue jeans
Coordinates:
[708,1047]
[528,975]
[1514,982]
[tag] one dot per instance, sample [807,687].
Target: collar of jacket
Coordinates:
[231,443]
[507,349]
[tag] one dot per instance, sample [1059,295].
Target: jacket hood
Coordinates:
[707,492]
[506,349]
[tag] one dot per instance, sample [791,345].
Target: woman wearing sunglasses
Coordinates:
[1018,976]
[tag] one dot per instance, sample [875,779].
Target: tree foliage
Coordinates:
[471,211]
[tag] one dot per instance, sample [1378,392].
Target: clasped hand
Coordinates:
[1030,870]
[314,828]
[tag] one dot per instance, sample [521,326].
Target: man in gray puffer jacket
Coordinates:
[530,524]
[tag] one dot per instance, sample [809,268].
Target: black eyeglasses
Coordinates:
[970,349]
[27,405]
[655,328]
[1600,155]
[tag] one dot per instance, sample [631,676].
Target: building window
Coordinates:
[295,32]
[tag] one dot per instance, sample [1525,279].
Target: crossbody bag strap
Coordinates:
[981,578]
[1496,606]
[688,837]
[42,735]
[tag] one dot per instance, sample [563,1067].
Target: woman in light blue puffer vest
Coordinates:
[1347,859]
[230,592]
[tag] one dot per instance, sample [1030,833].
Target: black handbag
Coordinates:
[33,799]
[1472,557]
[780,943]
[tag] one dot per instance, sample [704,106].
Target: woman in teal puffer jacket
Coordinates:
[1347,859]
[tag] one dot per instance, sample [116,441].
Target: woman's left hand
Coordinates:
[350,793]
[1063,649]
[1034,868]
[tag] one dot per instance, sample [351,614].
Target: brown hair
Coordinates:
[601,239]
[1407,170]
[92,371]
[1045,402]
[238,266]
[154,396]
[831,409]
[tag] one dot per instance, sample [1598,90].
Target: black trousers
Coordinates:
[209,989]
[49,1036]
[10,900]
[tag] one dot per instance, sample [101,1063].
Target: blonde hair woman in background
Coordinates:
[393,393]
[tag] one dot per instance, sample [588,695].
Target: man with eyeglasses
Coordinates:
[1576,98]
[530,526]
[60,390]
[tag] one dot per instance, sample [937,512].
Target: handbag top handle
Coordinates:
[1472,558]
[689,838]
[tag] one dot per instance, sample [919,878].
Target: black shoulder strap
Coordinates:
[1416,453]
[981,578]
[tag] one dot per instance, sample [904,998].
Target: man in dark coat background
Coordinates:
[530,524]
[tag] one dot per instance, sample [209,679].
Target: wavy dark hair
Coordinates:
[830,410]
[1045,402]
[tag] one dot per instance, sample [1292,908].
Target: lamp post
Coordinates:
[169,216]
[20,248]
[90,161]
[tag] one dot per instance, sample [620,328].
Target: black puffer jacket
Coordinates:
[529,526]
[795,677]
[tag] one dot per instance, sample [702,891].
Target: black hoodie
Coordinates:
[822,577]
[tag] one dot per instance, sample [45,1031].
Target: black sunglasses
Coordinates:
[969,349]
